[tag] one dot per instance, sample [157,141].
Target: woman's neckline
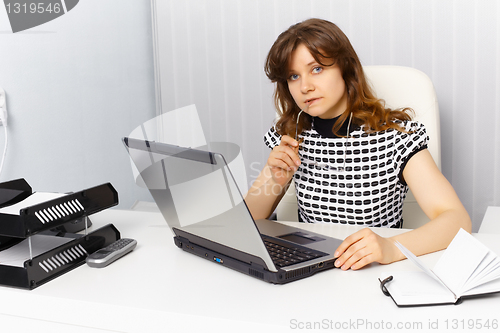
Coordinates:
[324,127]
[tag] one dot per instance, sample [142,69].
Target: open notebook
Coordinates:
[466,268]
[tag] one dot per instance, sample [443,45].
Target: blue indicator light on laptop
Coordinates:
[219,260]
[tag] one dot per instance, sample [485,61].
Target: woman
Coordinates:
[352,159]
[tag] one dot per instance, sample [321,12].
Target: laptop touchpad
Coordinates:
[301,238]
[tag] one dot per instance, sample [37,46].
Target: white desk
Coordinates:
[159,288]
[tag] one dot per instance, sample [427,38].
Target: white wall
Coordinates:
[75,86]
[213,54]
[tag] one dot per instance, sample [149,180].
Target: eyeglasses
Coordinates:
[324,166]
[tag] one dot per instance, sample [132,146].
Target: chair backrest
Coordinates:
[398,87]
[490,223]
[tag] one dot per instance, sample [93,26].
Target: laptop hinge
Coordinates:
[257,270]
[263,273]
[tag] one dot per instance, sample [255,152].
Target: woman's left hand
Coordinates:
[364,247]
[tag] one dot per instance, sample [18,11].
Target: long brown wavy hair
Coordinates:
[328,45]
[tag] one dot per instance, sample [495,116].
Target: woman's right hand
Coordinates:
[284,160]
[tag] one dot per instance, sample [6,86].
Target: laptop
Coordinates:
[201,203]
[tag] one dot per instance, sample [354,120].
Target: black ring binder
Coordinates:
[383,283]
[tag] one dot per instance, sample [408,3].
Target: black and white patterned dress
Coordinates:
[370,190]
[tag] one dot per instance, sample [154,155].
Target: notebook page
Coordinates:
[486,270]
[414,288]
[459,261]
[413,258]
[492,274]
[489,287]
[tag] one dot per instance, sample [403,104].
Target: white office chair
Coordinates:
[491,221]
[399,87]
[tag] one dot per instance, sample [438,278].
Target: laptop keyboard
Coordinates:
[284,254]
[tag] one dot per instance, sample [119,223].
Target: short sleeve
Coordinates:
[272,138]
[411,143]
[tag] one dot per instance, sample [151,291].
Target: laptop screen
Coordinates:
[196,192]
